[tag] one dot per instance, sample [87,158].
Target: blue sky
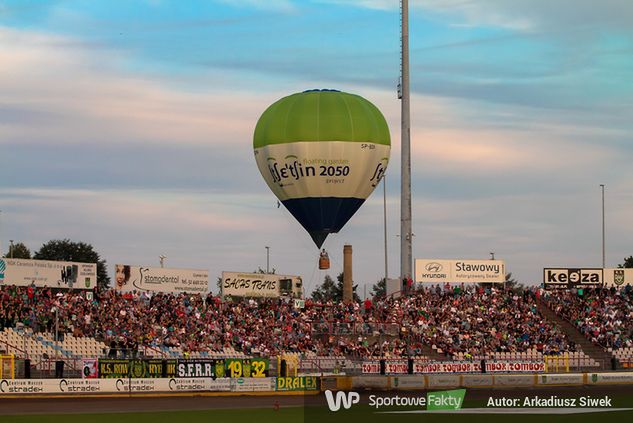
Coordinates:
[128,124]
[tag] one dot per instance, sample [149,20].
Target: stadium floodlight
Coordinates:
[604,258]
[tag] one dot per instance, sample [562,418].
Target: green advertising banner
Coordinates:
[297,383]
[109,368]
[156,368]
[245,367]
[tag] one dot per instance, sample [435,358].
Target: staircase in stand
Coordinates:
[573,334]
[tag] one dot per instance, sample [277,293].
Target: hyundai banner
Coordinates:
[459,271]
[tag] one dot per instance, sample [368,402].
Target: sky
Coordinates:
[129,125]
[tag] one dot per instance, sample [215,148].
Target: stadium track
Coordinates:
[156,403]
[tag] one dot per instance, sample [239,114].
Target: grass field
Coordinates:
[363,414]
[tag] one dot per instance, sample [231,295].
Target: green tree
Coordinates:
[332,291]
[327,291]
[628,263]
[67,250]
[18,251]
[379,289]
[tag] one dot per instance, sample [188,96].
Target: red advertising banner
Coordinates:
[475,367]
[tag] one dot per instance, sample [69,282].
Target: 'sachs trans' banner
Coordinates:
[45,273]
[261,285]
[567,277]
[159,279]
[459,271]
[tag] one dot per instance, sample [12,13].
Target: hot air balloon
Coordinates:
[322,153]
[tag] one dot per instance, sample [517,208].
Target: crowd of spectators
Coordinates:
[604,316]
[471,320]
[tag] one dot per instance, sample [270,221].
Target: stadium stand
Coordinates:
[454,323]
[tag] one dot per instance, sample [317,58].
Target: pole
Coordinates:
[405,180]
[384,213]
[603,241]
[11,248]
[267,259]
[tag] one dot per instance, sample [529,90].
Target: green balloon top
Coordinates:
[321,115]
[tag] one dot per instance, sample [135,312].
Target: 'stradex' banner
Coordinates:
[421,367]
[120,385]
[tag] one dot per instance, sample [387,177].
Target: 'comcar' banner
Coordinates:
[45,273]
[459,271]
[159,279]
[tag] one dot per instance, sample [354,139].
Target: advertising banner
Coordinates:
[459,271]
[158,279]
[152,368]
[617,277]
[560,379]
[244,367]
[297,383]
[572,277]
[265,384]
[421,367]
[90,368]
[45,273]
[396,367]
[371,367]
[260,285]
[408,382]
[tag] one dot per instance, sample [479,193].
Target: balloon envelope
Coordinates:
[322,153]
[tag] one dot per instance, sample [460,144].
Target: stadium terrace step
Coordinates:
[572,332]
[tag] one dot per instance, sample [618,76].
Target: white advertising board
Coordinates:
[564,277]
[45,273]
[560,379]
[158,279]
[260,285]
[618,277]
[459,271]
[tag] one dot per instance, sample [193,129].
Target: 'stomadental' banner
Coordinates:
[459,271]
[44,273]
[260,285]
[158,279]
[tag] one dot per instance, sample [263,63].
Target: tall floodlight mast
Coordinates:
[406,258]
